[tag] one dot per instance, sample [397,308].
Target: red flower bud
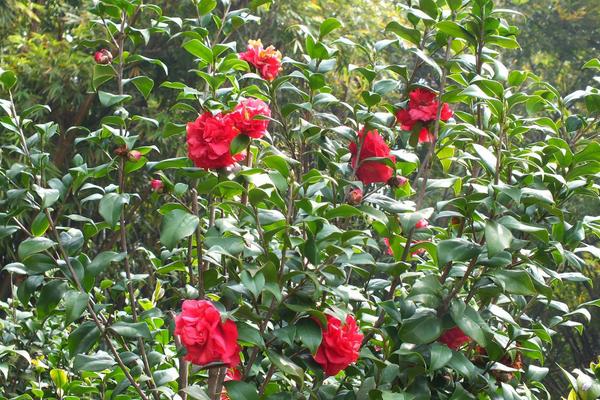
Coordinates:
[134,155]
[103,57]
[397,181]
[422,224]
[354,197]
[157,185]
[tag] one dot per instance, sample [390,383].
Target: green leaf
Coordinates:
[487,158]
[103,260]
[328,26]
[421,328]
[286,365]
[411,35]
[593,63]
[456,250]
[309,333]
[109,99]
[179,162]
[497,237]
[48,196]
[83,338]
[470,322]
[176,225]
[59,377]
[440,356]
[8,79]
[132,329]
[455,30]
[164,376]
[50,296]
[249,334]
[101,75]
[40,224]
[514,281]
[239,144]
[199,49]
[97,362]
[143,84]
[238,390]
[31,246]
[206,6]
[75,304]
[110,207]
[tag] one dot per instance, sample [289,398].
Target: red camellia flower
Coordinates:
[454,338]
[422,108]
[340,345]
[157,185]
[245,114]
[371,145]
[422,224]
[209,139]
[103,56]
[206,338]
[266,61]
[232,374]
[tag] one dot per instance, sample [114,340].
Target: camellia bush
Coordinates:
[267,240]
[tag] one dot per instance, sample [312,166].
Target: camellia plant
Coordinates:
[276,242]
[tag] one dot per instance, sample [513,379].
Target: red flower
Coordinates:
[454,338]
[422,108]
[422,224]
[266,61]
[372,145]
[103,56]
[340,345]
[244,117]
[232,374]
[209,139]
[206,338]
[157,185]
[389,246]
[354,196]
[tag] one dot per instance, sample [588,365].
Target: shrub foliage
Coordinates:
[264,239]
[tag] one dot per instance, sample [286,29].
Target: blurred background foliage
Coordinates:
[37,41]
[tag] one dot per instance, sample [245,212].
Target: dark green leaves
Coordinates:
[50,296]
[103,260]
[199,50]
[75,304]
[456,250]
[497,237]
[239,144]
[97,362]
[176,225]
[422,327]
[83,338]
[309,333]
[238,390]
[132,330]
[32,246]
[110,207]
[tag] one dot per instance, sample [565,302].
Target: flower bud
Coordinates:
[422,224]
[397,181]
[134,155]
[103,57]
[122,151]
[354,197]
[157,185]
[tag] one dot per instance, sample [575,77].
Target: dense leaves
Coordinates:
[258,234]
